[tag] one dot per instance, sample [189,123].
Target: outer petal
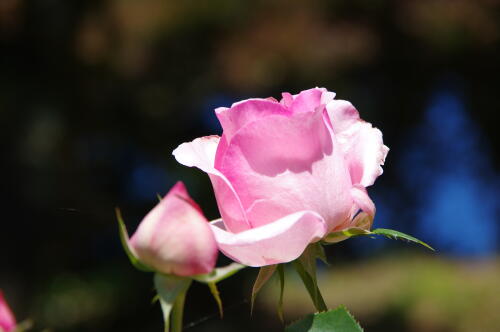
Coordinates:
[278,242]
[281,165]
[7,320]
[201,153]
[362,200]
[310,100]
[246,111]
[175,237]
[362,144]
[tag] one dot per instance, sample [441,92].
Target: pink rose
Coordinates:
[285,174]
[175,237]
[7,320]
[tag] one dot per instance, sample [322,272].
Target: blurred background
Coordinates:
[94,96]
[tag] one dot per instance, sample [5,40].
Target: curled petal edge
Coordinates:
[278,242]
[201,153]
[362,200]
[361,223]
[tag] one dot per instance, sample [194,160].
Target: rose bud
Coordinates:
[7,320]
[175,237]
[287,173]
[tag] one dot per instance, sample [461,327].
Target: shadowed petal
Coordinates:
[362,200]
[247,111]
[280,165]
[278,242]
[201,153]
[362,144]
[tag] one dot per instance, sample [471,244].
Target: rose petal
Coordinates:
[175,237]
[281,165]
[7,319]
[362,200]
[200,153]
[362,144]
[278,242]
[246,111]
[310,100]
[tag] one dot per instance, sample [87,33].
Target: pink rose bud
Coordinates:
[175,237]
[287,173]
[7,320]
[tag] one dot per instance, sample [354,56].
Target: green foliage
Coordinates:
[338,320]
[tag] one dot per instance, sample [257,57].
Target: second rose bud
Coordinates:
[175,237]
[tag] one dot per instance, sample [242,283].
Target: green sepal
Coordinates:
[265,273]
[124,239]
[337,320]
[281,274]
[319,252]
[215,292]
[169,288]
[362,224]
[355,231]
[392,234]
[344,234]
[310,282]
[308,262]
[219,274]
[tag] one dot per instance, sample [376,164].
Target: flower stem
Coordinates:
[178,312]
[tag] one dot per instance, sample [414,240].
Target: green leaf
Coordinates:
[216,294]
[265,273]
[124,240]
[170,288]
[392,234]
[338,320]
[281,273]
[311,286]
[219,273]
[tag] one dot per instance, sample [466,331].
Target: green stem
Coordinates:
[311,286]
[178,312]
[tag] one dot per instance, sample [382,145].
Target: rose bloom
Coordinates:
[287,173]
[7,320]
[175,237]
